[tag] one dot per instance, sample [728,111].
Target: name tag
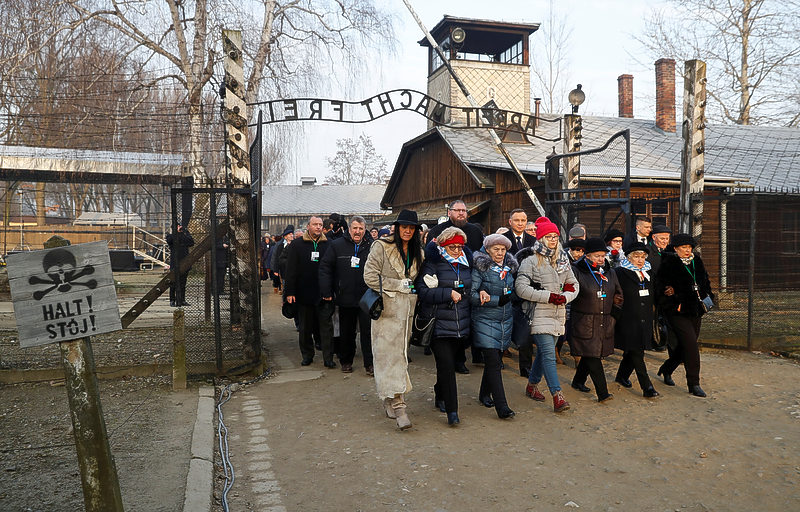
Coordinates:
[644,292]
[601,294]
[315,256]
[506,291]
[458,284]
[354,261]
[695,287]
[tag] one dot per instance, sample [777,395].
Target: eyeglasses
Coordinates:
[454,248]
[550,237]
[459,210]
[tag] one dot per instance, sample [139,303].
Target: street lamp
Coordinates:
[576,98]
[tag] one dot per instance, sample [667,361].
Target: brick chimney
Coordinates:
[625,86]
[665,94]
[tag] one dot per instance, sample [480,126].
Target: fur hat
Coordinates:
[577,243]
[683,239]
[595,245]
[545,226]
[612,234]
[495,239]
[637,246]
[289,230]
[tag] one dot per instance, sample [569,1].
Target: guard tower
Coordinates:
[490,57]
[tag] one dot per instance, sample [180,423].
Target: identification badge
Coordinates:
[644,292]
[354,262]
[458,284]
[601,294]
[695,287]
[506,291]
[315,256]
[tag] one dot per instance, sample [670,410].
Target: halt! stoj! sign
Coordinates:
[63,294]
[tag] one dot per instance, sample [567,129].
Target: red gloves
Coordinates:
[568,287]
[557,299]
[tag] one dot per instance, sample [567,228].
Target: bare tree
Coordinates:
[356,163]
[751,49]
[551,61]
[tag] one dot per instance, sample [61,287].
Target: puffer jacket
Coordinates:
[537,279]
[452,319]
[492,323]
[592,324]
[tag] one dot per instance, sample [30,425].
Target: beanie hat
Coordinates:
[595,245]
[496,239]
[545,227]
[612,234]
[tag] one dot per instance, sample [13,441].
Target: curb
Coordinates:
[200,479]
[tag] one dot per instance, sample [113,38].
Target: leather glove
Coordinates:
[568,287]
[618,300]
[504,299]
[557,299]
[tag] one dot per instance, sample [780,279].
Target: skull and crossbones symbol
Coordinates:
[59,265]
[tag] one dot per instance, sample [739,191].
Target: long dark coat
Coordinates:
[337,276]
[674,273]
[452,319]
[634,329]
[179,244]
[592,324]
[302,274]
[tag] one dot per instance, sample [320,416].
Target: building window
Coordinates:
[657,210]
[436,61]
[790,234]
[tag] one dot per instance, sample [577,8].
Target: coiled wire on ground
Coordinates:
[222,435]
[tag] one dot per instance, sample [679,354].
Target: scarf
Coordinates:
[453,261]
[596,269]
[562,261]
[626,263]
[688,260]
[502,271]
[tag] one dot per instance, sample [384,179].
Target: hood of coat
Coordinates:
[433,255]
[523,253]
[482,261]
[307,238]
[581,266]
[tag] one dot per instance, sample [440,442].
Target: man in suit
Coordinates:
[521,331]
[641,234]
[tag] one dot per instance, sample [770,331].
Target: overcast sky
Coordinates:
[602,48]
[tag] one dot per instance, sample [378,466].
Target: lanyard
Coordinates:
[315,245]
[599,283]
[456,269]
[356,246]
[691,272]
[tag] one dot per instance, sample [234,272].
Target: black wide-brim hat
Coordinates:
[289,310]
[683,239]
[595,245]
[407,218]
[637,246]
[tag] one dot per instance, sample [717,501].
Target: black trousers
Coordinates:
[492,380]
[315,322]
[444,352]
[176,295]
[526,355]
[634,360]
[220,274]
[477,355]
[687,330]
[349,318]
[593,367]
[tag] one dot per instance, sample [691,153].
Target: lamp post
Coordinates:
[573,125]
[576,98]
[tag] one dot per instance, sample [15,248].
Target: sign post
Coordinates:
[62,295]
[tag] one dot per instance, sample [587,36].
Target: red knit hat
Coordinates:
[545,227]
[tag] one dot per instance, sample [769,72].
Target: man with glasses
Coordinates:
[457,216]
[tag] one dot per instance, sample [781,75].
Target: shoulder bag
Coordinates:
[371,302]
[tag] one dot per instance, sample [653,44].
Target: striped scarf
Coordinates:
[502,271]
[562,261]
[626,263]
[453,261]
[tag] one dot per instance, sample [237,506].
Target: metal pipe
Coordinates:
[497,142]
[752,272]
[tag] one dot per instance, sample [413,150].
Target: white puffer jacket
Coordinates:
[535,282]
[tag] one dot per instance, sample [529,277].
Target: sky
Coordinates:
[601,48]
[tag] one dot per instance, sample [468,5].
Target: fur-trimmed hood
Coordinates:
[525,252]
[482,261]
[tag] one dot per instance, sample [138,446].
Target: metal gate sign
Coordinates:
[63,294]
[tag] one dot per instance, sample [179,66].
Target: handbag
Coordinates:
[371,302]
[421,328]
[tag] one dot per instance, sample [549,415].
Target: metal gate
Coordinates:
[598,194]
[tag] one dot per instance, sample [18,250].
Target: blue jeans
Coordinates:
[545,362]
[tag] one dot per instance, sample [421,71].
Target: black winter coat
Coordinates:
[674,273]
[634,330]
[302,274]
[452,319]
[592,324]
[338,277]
[179,244]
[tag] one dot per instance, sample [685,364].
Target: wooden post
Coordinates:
[178,349]
[98,472]
[243,243]
[573,125]
[692,156]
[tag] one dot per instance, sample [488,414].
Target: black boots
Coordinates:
[696,390]
[667,377]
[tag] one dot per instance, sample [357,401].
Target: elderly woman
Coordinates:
[545,279]
[492,316]
[590,314]
[684,294]
[444,287]
[613,240]
[634,329]
[392,265]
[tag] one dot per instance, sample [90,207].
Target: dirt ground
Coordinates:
[324,443]
[150,430]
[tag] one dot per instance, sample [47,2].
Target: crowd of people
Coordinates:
[522,286]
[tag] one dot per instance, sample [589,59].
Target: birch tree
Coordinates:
[550,67]
[356,162]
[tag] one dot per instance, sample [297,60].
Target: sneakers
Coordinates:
[532,391]
[560,404]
